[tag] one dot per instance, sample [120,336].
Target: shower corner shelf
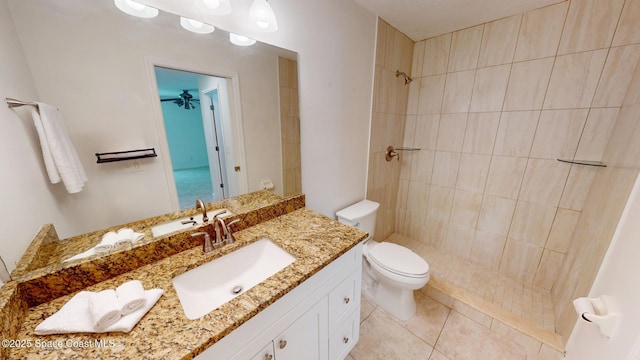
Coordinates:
[126,155]
[584,162]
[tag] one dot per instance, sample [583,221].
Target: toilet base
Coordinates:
[400,303]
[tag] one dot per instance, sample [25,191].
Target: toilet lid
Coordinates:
[398,259]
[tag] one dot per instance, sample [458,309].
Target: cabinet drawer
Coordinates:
[344,298]
[345,336]
[266,353]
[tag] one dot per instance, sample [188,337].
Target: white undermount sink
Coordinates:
[207,287]
[176,225]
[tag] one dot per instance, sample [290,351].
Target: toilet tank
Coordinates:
[361,215]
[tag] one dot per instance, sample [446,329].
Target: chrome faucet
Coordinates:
[206,246]
[200,206]
[223,233]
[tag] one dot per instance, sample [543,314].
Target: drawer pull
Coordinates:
[345,339]
[346,300]
[282,344]
[268,357]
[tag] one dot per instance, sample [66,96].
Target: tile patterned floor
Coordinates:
[192,184]
[525,301]
[436,332]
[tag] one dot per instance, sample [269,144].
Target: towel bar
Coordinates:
[126,155]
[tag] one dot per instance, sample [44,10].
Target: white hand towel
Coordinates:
[74,316]
[130,296]
[104,309]
[85,254]
[108,242]
[60,156]
[125,236]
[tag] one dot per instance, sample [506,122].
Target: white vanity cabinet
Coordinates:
[318,320]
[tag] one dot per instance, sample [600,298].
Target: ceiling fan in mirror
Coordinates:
[185,100]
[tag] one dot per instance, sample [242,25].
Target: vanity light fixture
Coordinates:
[240,40]
[196,26]
[217,7]
[136,9]
[262,16]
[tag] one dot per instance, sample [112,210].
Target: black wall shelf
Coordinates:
[126,155]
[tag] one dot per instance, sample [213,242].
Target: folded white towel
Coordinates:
[108,242]
[104,309]
[74,316]
[60,156]
[126,236]
[82,255]
[131,296]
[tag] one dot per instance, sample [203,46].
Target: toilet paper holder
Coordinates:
[602,311]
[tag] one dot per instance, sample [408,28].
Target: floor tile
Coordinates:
[366,308]
[437,355]
[463,338]
[381,338]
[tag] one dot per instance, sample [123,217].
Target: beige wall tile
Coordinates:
[465,48]
[532,223]
[505,176]
[548,269]
[562,230]
[577,187]
[426,132]
[459,240]
[436,55]
[403,192]
[544,181]
[440,203]
[616,77]
[499,41]
[496,214]
[431,94]
[622,135]
[590,25]
[422,166]
[435,231]
[418,199]
[489,88]
[409,131]
[540,32]
[574,79]
[516,132]
[558,133]
[487,249]
[473,172]
[481,132]
[445,168]
[451,132]
[466,207]
[597,131]
[633,93]
[414,96]
[457,91]
[398,50]
[520,260]
[418,59]
[628,31]
[528,84]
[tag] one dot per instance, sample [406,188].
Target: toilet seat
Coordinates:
[398,260]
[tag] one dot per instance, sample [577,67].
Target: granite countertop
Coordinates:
[165,332]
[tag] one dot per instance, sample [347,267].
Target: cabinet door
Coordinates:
[265,354]
[300,340]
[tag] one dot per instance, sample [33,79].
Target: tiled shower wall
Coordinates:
[289,126]
[393,52]
[492,108]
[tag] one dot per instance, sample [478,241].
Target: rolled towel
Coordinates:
[125,236]
[85,254]
[108,242]
[131,296]
[104,309]
[137,236]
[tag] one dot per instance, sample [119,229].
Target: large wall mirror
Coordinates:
[110,75]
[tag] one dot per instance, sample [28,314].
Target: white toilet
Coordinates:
[390,272]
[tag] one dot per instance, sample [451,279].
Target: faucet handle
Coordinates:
[206,246]
[229,238]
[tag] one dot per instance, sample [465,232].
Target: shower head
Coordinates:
[407,78]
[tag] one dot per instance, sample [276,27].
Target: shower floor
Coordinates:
[527,308]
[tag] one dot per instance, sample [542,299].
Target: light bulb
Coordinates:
[240,40]
[262,16]
[136,9]
[212,4]
[196,26]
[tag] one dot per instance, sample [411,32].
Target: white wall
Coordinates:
[618,277]
[27,200]
[335,40]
